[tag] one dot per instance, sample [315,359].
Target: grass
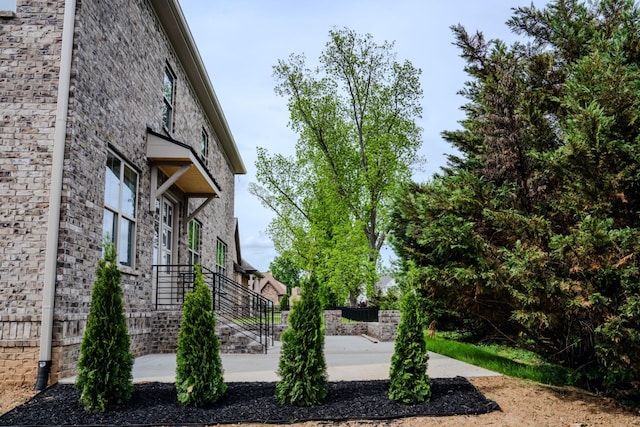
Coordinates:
[277,318]
[505,360]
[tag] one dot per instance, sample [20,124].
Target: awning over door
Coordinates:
[182,167]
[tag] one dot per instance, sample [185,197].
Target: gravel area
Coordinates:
[245,402]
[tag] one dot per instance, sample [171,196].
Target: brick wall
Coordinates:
[28,69]
[29,63]
[120,52]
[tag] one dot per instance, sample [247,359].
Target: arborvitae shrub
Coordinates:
[409,380]
[302,367]
[198,364]
[105,364]
[284,303]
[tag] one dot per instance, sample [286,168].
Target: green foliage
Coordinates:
[355,115]
[505,360]
[284,269]
[284,302]
[199,370]
[105,364]
[387,301]
[531,234]
[409,382]
[302,367]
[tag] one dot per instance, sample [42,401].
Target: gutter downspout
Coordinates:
[55,196]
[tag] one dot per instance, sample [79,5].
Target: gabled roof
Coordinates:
[174,23]
[268,279]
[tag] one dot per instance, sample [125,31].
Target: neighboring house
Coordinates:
[245,273]
[274,290]
[110,129]
[385,283]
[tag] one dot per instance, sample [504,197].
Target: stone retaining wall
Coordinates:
[384,330]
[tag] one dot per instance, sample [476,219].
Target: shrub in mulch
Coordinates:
[156,404]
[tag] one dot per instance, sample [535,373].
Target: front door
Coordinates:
[163,237]
[167,291]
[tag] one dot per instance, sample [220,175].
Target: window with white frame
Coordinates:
[120,199]
[204,145]
[221,257]
[194,242]
[169,94]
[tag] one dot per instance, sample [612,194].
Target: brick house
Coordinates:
[273,290]
[110,129]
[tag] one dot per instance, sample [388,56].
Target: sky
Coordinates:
[241,40]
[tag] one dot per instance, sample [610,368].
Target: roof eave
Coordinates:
[173,20]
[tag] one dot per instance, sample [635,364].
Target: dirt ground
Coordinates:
[523,404]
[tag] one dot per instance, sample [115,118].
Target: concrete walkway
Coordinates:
[348,358]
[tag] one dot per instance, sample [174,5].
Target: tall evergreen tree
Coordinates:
[105,364]
[531,234]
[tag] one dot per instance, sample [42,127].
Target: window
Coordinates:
[194,242]
[120,197]
[221,257]
[169,93]
[204,145]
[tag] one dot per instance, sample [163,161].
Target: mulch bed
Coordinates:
[156,404]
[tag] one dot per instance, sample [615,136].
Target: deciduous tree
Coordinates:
[355,115]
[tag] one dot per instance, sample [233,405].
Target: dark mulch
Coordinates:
[156,404]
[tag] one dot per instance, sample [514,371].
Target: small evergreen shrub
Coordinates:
[105,364]
[302,365]
[198,364]
[409,382]
[284,303]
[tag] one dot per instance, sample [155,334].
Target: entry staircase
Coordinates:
[244,319]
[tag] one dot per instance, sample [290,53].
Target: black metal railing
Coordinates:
[246,311]
[245,308]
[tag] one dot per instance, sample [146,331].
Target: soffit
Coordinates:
[171,156]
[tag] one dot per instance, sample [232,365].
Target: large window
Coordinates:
[120,198]
[194,242]
[221,257]
[169,94]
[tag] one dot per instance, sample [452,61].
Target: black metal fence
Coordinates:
[360,314]
[249,312]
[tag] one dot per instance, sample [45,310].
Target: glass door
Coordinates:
[167,289]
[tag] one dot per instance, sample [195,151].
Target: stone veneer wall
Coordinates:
[18,355]
[386,329]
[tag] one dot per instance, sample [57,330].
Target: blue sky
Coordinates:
[241,40]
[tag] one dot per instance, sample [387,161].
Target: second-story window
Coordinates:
[204,145]
[169,94]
